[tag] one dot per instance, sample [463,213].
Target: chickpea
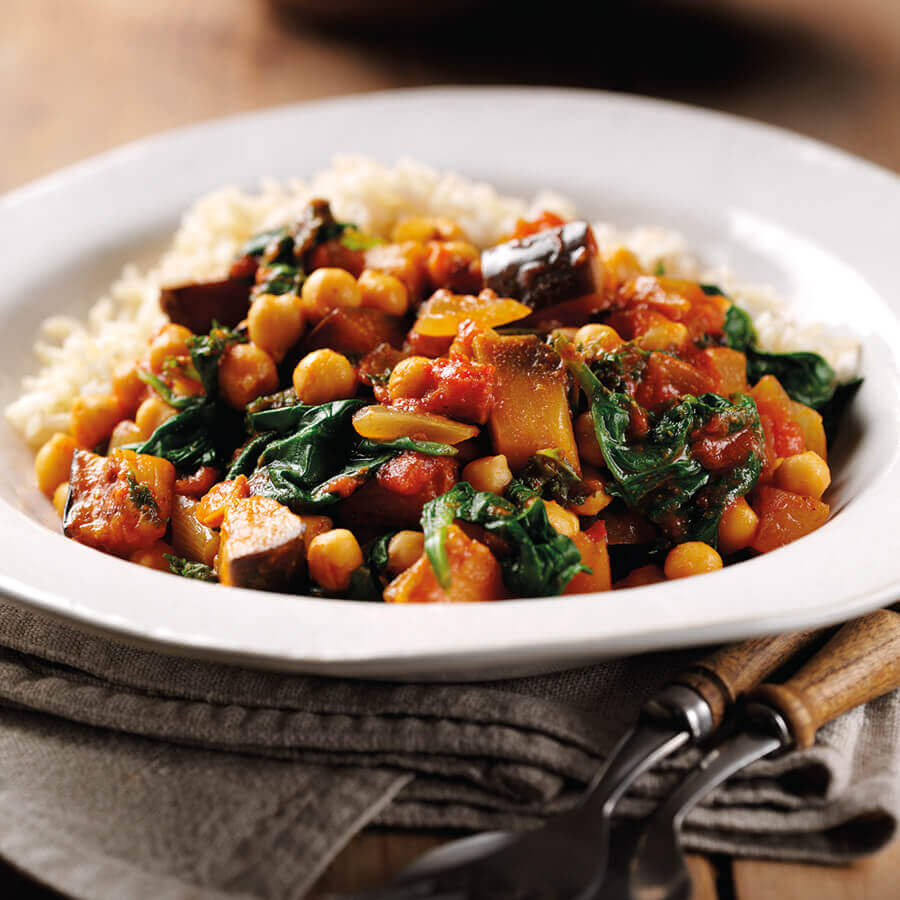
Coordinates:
[411,377]
[385,292]
[598,500]
[423,229]
[327,289]
[245,373]
[60,496]
[53,462]
[404,549]
[170,342]
[152,556]
[332,558]
[738,526]
[691,558]
[126,432]
[663,335]
[324,375]
[151,414]
[562,520]
[93,418]
[490,473]
[586,438]
[275,323]
[596,339]
[804,473]
[128,389]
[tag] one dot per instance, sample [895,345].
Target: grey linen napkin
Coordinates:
[124,773]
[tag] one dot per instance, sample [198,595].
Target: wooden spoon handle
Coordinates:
[732,671]
[861,662]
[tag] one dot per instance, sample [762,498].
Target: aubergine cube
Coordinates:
[545,268]
[199,304]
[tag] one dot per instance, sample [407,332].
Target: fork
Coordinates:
[566,858]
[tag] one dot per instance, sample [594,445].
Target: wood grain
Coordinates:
[731,671]
[861,662]
[375,856]
[874,878]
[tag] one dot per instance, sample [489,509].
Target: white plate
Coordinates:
[820,225]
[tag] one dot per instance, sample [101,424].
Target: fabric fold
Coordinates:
[167,775]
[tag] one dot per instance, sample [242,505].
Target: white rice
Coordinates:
[78,357]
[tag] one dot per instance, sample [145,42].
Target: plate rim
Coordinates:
[393,656]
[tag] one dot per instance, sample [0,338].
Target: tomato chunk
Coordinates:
[455,387]
[784,517]
[474,575]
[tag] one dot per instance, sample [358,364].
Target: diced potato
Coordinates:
[784,517]
[474,575]
[383,423]
[531,408]
[190,539]
[120,503]
[591,545]
[810,423]
[261,545]
[730,368]
[210,511]
[444,312]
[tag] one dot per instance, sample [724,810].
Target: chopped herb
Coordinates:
[357,240]
[187,568]
[549,475]
[659,270]
[142,496]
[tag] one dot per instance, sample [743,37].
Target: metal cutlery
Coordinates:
[567,857]
[861,662]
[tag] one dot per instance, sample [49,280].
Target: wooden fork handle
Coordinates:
[734,670]
[861,662]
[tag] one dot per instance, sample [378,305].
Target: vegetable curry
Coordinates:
[422,420]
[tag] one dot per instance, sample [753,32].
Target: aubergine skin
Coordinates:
[199,304]
[545,268]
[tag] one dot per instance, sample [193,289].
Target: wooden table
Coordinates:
[80,76]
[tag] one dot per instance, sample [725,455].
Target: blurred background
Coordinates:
[80,76]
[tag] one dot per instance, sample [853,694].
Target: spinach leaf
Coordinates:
[205,431]
[258,243]
[658,475]
[739,331]
[206,350]
[366,583]
[279,278]
[310,457]
[549,475]
[805,376]
[541,561]
[189,569]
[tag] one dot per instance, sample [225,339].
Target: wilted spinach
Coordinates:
[310,457]
[658,475]
[366,582]
[205,431]
[549,475]
[540,562]
[806,376]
